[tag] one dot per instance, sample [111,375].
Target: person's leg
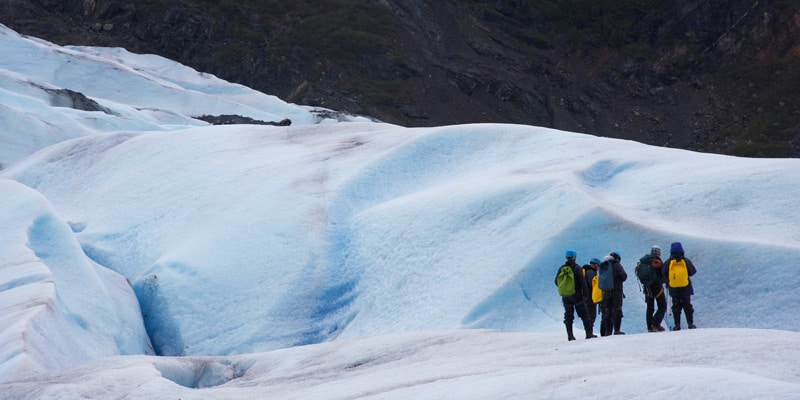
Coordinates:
[661,310]
[677,306]
[617,312]
[591,312]
[648,312]
[569,316]
[583,313]
[689,310]
[605,317]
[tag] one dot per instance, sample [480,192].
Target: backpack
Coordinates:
[678,274]
[597,294]
[646,273]
[606,274]
[566,281]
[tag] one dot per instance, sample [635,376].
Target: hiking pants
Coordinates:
[611,307]
[653,316]
[572,305]
[682,301]
[591,311]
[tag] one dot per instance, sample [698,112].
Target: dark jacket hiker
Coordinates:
[649,273]
[595,294]
[612,271]
[574,303]
[676,273]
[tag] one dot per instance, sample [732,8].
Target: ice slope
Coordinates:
[311,233]
[58,307]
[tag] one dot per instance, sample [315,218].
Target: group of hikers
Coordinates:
[599,283]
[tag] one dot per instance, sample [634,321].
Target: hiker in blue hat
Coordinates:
[676,272]
[612,275]
[572,288]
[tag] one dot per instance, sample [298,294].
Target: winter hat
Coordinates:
[676,248]
[655,250]
[608,258]
[594,261]
[570,254]
[616,255]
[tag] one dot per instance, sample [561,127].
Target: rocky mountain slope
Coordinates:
[716,76]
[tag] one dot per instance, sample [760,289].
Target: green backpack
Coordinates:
[566,281]
[645,272]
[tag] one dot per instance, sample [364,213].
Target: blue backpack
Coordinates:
[606,274]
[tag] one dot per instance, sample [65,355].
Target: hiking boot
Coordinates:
[587,326]
[606,327]
[676,328]
[652,329]
[618,324]
[659,328]
[590,334]
[692,326]
[571,338]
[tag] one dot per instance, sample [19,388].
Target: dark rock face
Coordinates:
[72,99]
[228,119]
[714,76]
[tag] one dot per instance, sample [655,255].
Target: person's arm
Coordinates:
[581,280]
[690,267]
[555,280]
[620,271]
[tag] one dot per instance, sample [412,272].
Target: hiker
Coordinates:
[612,275]
[649,273]
[573,297]
[676,272]
[595,294]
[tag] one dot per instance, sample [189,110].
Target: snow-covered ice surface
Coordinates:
[463,364]
[149,255]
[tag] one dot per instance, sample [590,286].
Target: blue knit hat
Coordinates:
[676,248]
[594,261]
[570,254]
